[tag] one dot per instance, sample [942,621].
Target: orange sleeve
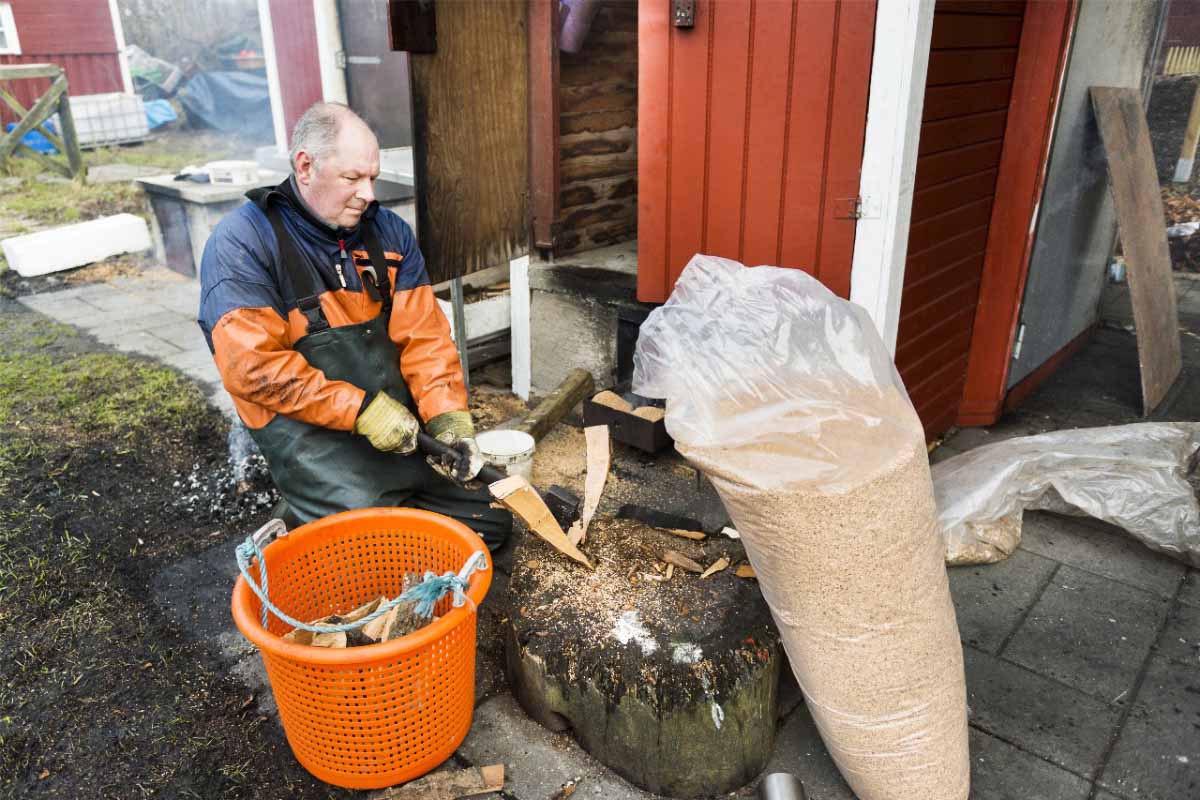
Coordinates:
[428,358]
[254,356]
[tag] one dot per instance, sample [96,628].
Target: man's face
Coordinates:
[340,186]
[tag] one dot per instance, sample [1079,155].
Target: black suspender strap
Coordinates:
[305,281]
[379,264]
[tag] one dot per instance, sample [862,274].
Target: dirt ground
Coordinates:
[101,695]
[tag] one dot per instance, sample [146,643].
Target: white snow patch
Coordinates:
[718,715]
[686,653]
[629,629]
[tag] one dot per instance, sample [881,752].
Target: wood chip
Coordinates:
[612,400]
[448,785]
[652,413]
[693,535]
[599,457]
[670,571]
[718,565]
[521,499]
[745,571]
[681,561]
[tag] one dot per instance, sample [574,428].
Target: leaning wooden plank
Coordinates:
[577,385]
[1143,238]
[599,457]
[448,785]
[515,493]
[70,246]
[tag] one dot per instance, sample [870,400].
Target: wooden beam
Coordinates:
[37,114]
[577,385]
[70,137]
[46,161]
[13,72]
[42,128]
[543,122]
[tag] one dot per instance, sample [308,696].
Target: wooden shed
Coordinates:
[84,37]
[899,151]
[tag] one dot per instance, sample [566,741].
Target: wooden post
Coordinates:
[70,137]
[1187,153]
[543,121]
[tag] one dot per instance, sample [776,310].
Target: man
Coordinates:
[319,313]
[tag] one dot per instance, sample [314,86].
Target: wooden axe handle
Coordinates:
[432,447]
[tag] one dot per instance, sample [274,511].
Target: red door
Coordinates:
[750,135]
[972,64]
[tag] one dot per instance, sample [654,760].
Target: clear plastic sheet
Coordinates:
[1133,476]
[785,396]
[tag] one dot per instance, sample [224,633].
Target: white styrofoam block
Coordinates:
[484,318]
[70,246]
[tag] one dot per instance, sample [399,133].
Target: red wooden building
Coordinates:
[84,37]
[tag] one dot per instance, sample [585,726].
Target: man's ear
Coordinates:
[304,167]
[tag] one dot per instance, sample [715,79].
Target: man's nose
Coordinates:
[366,191]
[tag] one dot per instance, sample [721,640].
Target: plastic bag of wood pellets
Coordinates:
[1133,476]
[785,396]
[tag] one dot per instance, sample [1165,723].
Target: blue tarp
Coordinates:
[34,139]
[234,102]
[159,113]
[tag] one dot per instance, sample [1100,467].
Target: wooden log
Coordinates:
[1191,135]
[670,682]
[70,137]
[13,72]
[577,385]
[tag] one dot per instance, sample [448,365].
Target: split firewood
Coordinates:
[332,639]
[718,565]
[681,561]
[613,400]
[670,571]
[652,413]
[599,457]
[448,785]
[521,499]
[695,536]
[362,611]
[745,571]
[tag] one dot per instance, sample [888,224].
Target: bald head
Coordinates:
[335,158]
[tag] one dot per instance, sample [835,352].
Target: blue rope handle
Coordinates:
[425,594]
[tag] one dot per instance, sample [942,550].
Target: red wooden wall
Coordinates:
[972,62]
[295,32]
[75,34]
[750,135]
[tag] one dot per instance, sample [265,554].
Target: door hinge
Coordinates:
[860,207]
[339,59]
[1017,344]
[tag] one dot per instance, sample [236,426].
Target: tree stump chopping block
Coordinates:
[670,681]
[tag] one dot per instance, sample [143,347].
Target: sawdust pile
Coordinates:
[857,585]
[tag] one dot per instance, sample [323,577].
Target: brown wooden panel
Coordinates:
[943,197]
[948,380]
[938,412]
[967,66]
[965,98]
[921,265]
[470,110]
[949,134]
[916,373]
[964,31]
[983,7]
[950,277]
[914,321]
[727,131]
[950,164]
[1140,218]
[931,232]
[911,350]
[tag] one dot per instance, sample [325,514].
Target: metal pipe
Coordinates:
[458,310]
[781,786]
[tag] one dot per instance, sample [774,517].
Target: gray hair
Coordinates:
[317,129]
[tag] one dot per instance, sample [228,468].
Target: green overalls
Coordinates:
[321,471]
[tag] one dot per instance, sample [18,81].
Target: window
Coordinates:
[8,32]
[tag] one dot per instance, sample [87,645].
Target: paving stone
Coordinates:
[537,762]
[1180,640]
[60,309]
[184,334]
[114,299]
[1190,593]
[1089,632]
[1157,755]
[132,318]
[990,599]
[1055,722]
[136,341]
[119,173]
[800,751]
[1000,771]
[1102,549]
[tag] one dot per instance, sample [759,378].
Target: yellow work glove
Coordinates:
[388,425]
[456,429]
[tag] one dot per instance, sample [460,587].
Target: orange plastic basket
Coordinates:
[373,716]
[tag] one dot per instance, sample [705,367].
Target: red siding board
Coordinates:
[760,133]
[296,57]
[87,73]
[63,27]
